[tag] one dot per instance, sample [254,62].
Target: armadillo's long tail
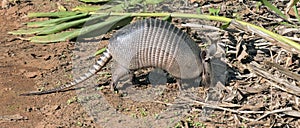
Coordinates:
[106,56]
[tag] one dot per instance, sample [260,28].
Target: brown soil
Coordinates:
[25,66]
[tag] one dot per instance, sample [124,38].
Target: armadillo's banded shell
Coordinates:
[156,43]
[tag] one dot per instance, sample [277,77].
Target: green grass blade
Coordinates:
[26,31]
[225,26]
[296,13]
[153,1]
[121,16]
[86,9]
[103,27]
[52,22]
[167,18]
[214,11]
[52,14]
[273,8]
[100,51]
[64,36]
[67,25]
[94,1]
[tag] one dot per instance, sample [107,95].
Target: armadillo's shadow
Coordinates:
[154,77]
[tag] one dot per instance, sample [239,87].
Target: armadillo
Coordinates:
[146,43]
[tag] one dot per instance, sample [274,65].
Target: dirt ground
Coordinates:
[25,66]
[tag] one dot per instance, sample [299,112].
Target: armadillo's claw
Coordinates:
[113,87]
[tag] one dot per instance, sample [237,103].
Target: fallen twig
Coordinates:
[287,86]
[284,71]
[266,113]
[8,118]
[221,108]
[264,35]
[274,111]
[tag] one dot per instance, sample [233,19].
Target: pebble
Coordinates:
[31,74]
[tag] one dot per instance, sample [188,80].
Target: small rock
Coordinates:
[31,74]
[4,4]
[48,57]
[48,113]
[55,107]
[7,89]
[29,109]
[33,55]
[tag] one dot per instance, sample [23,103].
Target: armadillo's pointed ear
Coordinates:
[212,49]
[215,51]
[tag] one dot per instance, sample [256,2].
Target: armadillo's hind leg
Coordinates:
[118,72]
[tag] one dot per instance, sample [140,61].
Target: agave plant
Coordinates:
[66,25]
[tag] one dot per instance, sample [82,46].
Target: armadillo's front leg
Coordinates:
[179,84]
[118,72]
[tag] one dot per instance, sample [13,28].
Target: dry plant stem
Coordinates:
[236,120]
[284,71]
[221,108]
[260,16]
[289,6]
[246,118]
[264,35]
[273,112]
[201,26]
[287,87]
[266,113]
[293,38]
[9,118]
[160,102]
